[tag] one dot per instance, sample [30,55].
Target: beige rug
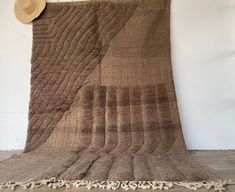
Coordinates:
[103,112]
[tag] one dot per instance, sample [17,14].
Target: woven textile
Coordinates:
[103,104]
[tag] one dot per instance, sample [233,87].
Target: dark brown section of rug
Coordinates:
[103,103]
[68,42]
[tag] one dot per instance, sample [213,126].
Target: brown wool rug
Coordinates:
[103,112]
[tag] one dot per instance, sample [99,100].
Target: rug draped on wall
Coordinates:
[103,111]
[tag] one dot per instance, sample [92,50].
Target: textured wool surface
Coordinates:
[103,104]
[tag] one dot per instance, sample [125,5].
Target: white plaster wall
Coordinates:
[15,48]
[203,54]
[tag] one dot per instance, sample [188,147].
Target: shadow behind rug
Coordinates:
[103,104]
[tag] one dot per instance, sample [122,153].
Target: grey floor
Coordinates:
[223,162]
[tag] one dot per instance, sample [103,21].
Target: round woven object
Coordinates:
[27,10]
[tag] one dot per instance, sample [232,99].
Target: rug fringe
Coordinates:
[53,183]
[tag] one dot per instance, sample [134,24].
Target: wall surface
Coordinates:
[203,55]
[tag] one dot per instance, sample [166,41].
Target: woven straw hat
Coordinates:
[28,10]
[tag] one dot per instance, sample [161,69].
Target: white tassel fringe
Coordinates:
[53,183]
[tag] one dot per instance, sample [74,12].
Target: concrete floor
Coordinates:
[223,162]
